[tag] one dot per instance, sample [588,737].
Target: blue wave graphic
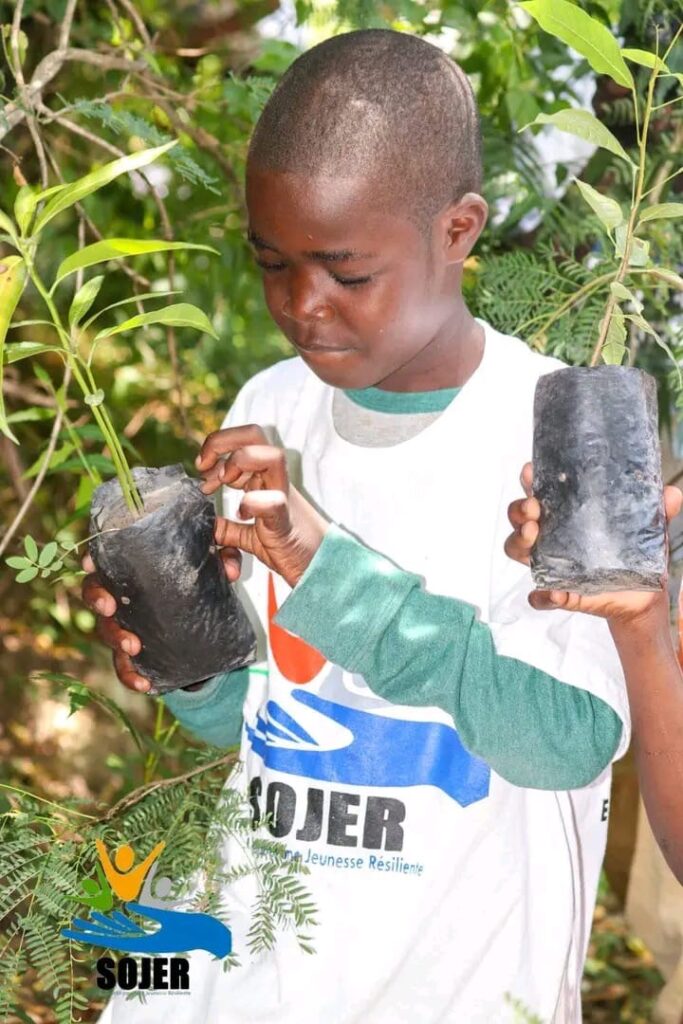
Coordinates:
[381,751]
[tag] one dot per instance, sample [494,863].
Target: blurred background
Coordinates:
[120,75]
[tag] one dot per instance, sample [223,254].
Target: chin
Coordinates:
[337,369]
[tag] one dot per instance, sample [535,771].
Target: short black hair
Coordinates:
[379,104]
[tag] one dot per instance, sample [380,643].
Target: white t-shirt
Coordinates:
[444,893]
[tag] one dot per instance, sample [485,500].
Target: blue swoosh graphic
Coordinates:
[382,751]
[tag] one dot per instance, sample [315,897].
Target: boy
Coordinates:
[444,892]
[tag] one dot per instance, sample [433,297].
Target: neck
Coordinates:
[447,361]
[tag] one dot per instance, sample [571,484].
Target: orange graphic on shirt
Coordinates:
[296,660]
[126,880]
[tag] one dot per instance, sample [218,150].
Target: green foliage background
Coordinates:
[201,72]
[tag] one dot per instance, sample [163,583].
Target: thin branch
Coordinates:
[67,21]
[142,791]
[136,18]
[29,395]
[48,68]
[15,467]
[51,445]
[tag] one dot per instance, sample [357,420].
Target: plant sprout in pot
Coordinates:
[596,457]
[152,529]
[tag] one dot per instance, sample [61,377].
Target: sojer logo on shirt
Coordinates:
[178,931]
[350,747]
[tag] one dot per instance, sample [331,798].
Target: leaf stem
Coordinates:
[630,227]
[101,415]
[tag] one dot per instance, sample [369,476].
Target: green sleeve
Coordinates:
[213,713]
[426,650]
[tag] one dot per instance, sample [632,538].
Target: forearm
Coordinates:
[655,689]
[421,649]
[212,713]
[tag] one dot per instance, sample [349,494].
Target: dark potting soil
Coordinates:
[168,580]
[597,474]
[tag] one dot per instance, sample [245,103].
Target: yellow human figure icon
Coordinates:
[126,880]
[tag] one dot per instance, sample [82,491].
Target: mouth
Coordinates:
[318,348]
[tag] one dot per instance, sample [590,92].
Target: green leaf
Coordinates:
[180,314]
[83,299]
[644,58]
[7,225]
[24,207]
[23,349]
[17,562]
[58,457]
[661,211]
[670,277]
[607,210]
[640,253]
[640,250]
[33,414]
[623,294]
[118,249]
[643,324]
[584,34]
[47,554]
[95,399]
[615,343]
[31,548]
[13,277]
[128,302]
[27,575]
[77,190]
[585,126]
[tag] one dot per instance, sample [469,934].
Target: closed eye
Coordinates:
[346,282]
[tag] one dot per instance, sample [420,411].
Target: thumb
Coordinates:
[234,535]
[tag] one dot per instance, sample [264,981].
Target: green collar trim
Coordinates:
[402,401]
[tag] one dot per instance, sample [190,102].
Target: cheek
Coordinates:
[274,295]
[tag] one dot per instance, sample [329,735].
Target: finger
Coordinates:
[268,506]
[88,563]
[673,499]
[130,678]
[232,563]
[519,544]
[213,479]
[222,442]
[524,510]
[266,460]
[527,478]
[110,633]
[96,597]
[548,600]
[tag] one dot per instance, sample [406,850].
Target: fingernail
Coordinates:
[127,645]
[101,605]
[198,461]
[142,685]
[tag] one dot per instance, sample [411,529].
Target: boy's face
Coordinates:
[355,286]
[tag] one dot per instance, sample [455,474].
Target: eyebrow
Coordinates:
[325,255]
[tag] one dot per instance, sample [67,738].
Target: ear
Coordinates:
[460,225]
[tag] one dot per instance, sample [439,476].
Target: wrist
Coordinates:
[307,550]
[647,626]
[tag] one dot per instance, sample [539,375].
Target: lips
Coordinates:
[319,346]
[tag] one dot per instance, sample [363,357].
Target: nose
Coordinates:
[305,304]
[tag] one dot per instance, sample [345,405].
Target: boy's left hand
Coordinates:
[287,530]
[524,516]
